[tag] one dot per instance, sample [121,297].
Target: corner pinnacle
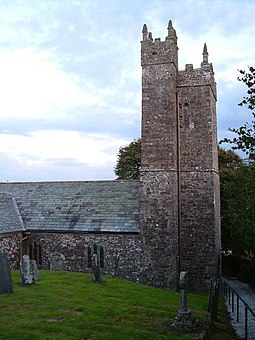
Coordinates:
[145,32]
[205,54]
[170,25]
[171,31]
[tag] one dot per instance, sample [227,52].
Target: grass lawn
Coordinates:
[66,305]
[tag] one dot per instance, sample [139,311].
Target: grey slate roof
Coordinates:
[10,219]
[96,206]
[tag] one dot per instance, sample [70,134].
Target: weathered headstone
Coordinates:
[184,319]
[57,261]
[5,274]
[25,271]
[116,266]
[96,268]
[34,271]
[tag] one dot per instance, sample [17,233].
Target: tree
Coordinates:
[129,161]
[241,209]
[229,165]
[237,186]
[245,139]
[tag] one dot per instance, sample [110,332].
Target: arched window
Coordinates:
[35,252]
[101,257]
[95,250]
[89,257]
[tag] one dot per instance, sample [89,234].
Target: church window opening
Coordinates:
[95,250]
[35,252]
[101,257]
[89,257]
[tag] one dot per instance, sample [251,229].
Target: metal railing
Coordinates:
[241,311]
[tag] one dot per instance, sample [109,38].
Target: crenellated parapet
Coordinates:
[155,51]
[198,76]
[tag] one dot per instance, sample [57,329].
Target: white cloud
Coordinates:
[32,85]
[52,146]
[75,65]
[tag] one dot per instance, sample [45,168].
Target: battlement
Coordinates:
[198,76]
[155,51]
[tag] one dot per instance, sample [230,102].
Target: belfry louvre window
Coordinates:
[35,252]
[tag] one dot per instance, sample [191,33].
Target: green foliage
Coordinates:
[240,211]
[229,164]
[129,161]
[65,305]
[245,139]
[237,181]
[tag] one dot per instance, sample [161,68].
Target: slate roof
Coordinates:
[10,219]
[96,206]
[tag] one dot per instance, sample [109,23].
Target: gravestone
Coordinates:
[25,271]
[184,321]
[5,274]
[34,271]
[116,266]
[96,268]
[57,261]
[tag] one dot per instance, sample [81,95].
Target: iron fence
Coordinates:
[242,313]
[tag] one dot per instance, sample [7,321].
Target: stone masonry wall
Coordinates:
[159,228]
[10,243]
[199,179]
[74,247]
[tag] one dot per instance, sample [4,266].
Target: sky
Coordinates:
[70,77]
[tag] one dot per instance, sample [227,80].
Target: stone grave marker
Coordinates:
[96,268]
[5,274]
[185,320]
[25,271]
[34,271]
[57,261]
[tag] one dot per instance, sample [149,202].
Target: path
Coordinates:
[248,295]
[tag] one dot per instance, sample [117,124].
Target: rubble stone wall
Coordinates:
[10,243]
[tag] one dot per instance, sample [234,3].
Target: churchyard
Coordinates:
[68,305]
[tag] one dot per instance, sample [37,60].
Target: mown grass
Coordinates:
[65,305]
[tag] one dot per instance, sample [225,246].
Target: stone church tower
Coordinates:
[180,216]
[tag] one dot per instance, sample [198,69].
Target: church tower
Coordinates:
[159,163]
[179,172]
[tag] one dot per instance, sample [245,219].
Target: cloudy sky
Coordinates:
[70,76]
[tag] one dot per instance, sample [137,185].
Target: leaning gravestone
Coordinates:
[185,320]
[5,274]
[25,271]
[34,271]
